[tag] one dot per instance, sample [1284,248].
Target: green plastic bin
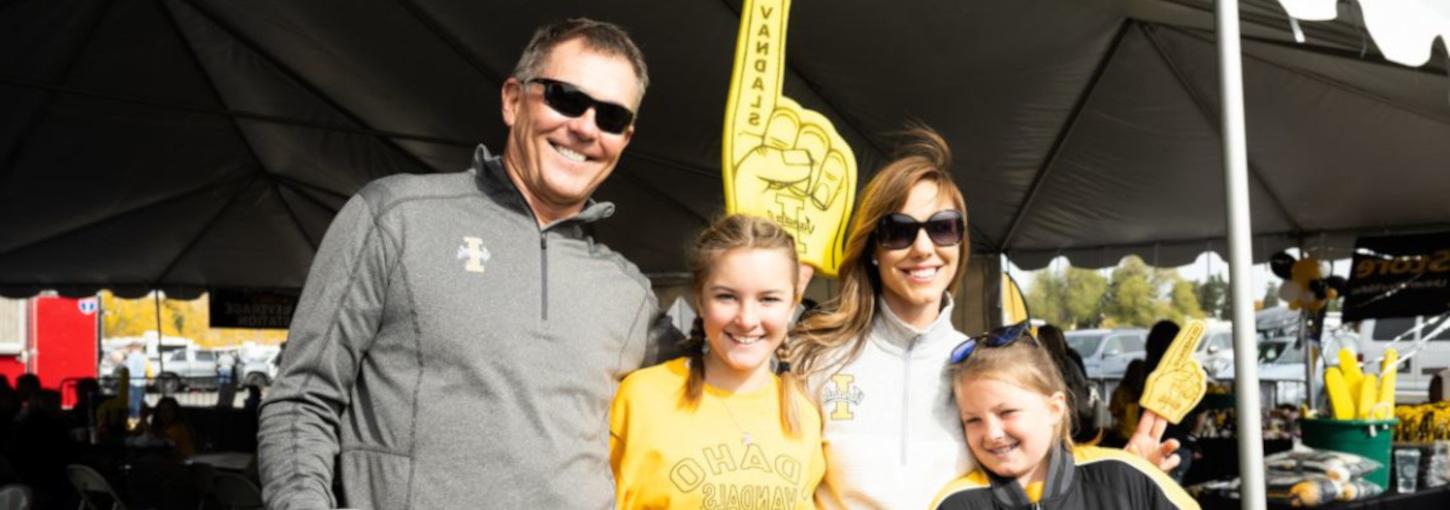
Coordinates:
[1368,438]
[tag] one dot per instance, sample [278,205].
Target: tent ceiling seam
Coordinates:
[1045,170]
[206,227]
[305,84]
[291,213]
[260,167]
[850,122]
[243,114]
[301,185]
[1333,83]
[432,24]
[12,154]
[678,165]
[178,196]
[1200,103]
[669,198]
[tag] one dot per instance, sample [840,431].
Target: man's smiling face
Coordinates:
[558,161]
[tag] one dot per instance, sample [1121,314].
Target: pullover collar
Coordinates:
[1061,470]
[896,336]
[493,180]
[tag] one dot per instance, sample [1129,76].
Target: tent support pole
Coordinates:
[1240,239]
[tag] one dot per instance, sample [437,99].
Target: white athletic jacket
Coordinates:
[892,435]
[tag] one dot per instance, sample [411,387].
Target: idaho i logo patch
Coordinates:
[474,253]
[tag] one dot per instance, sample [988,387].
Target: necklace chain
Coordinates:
[744,434]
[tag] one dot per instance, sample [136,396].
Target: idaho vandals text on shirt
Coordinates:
[741,477]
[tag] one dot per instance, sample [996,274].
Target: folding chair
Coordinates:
[90,483]
[203,479]
[235,492]
[15,497]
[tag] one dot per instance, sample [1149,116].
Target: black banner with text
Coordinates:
[1400,276]
[251,309]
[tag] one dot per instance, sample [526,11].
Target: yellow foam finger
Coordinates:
[1368,391]
[1349,366]
[1178,383]
[782,161]
[755,82]
[1340,401]
[1389,372]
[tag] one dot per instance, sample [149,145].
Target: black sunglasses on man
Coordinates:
[568,100]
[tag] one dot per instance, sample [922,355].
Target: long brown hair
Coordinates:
[733,233]
[816,342]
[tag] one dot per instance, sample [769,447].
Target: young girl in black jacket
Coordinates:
[1014,410]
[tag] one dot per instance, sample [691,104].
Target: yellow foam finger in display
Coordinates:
[1349,366]
[1368,390]
[1178,384]
[779,160]
[1389,371]
[1340,401]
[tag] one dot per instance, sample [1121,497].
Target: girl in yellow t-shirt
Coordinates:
[718,428]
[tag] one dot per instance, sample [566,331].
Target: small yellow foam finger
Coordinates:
[1178,383]
[759,67]
[1185,343]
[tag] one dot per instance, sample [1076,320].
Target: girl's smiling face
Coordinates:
[746,303]
[1010,429]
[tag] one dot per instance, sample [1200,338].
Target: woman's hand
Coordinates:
[1148,442]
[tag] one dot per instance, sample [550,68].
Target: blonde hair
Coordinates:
[1025,363]
[816,342]
[733,233]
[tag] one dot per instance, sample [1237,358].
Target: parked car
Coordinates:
[1281,367]
[1106,352]
[259,369]
[1216,351]
[187,368]
[1429,334]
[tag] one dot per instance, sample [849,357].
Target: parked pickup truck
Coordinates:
[189,368]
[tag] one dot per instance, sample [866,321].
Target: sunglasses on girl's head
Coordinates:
[567,99]
[896,230]
[997,337]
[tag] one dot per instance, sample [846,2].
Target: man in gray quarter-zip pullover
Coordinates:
[460,336]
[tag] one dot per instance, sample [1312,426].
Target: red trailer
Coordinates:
[61,342]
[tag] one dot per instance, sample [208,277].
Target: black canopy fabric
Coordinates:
[193,144]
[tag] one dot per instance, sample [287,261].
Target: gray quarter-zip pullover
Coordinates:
[450,353]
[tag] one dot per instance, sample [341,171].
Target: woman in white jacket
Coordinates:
[876,361]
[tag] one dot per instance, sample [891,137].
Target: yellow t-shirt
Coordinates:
[665,455]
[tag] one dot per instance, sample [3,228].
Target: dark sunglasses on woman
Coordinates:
[896,230]
[568,100]
[997,337]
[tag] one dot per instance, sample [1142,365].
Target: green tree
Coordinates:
[1069,299]
[1183,301]
[1213,296]
[1046,299]
[1085,291]
[1271,296]
[1133,295]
